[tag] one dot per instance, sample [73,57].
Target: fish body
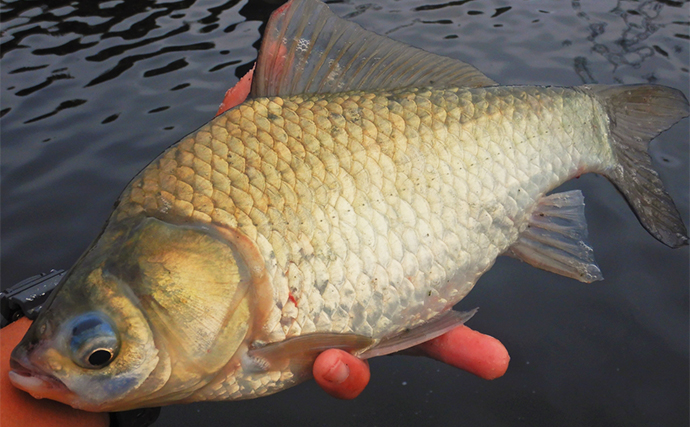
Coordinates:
[369,210]
[298,222]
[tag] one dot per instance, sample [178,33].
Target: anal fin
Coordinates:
[555,239]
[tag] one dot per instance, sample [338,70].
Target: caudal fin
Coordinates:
[637,114]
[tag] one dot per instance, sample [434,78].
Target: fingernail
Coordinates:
[338,373]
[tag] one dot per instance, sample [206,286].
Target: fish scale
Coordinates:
[388,253]
[371,208]
[335,209]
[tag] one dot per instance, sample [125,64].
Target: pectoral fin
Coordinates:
[300,352]
[555,239]
[423,333]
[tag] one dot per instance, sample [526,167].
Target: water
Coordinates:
[92,91]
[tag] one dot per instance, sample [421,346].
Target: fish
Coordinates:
[349,203]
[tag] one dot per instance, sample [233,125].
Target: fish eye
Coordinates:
[94,342]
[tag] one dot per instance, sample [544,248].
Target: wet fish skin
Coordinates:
[362,213]
[332,187]
[290,224]
[374,211]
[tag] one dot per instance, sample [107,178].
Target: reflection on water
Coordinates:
[630,46]
[92,90]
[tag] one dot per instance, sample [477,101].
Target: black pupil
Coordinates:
[100,357]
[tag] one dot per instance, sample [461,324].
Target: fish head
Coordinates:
[149,314]
[92,345]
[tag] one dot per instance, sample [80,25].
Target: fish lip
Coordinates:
[33,380]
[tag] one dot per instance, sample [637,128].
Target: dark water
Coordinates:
[92,91]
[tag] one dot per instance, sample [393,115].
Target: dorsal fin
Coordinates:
[307,49]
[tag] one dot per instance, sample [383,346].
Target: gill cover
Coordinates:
[193,285]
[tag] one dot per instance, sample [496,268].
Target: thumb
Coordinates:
[341,374]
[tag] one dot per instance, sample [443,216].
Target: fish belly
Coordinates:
[374,212]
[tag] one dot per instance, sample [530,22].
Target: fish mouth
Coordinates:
[39,384]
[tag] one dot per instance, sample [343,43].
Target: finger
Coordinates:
[19,408]
[472,351]
[341,374]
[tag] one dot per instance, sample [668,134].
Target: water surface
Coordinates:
[92,91]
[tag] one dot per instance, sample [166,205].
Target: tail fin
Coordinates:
[637,114]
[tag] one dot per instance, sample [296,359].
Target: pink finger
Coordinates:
[474,352]
[341,374]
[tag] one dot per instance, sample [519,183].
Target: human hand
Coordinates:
[344,376]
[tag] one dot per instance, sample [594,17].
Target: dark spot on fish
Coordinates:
[180,86]
[429,293]
[271,116]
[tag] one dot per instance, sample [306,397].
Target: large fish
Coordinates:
[350,202]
